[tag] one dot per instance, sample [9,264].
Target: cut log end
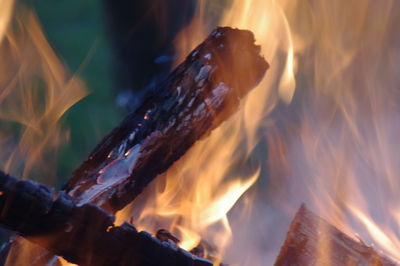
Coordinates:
[313,241]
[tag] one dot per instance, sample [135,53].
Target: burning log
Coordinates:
[202,92]
[313,241]
[165,236]
[83,234]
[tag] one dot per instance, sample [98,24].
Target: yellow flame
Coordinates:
[194,197]
[35,92]
[336,148]
[6,7]
[268,22]
[337,151]
[341,145]
[388,241]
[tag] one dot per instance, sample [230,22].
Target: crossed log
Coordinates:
[81,234]
[76,223]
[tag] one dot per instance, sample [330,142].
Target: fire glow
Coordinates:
[318,160]
[35,93]
[196,194]
[334,147]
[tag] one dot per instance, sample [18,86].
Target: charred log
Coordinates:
[198,96]
[313,241]
[83,234]
[201,93]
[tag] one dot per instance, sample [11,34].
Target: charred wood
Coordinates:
[201,93]
[165,236]
[85,234]
[313,241]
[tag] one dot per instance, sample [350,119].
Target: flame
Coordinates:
[6,7]
[334,145]
[340,144]
[35,92]
[194,198]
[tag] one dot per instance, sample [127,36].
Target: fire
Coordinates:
[6,12]
[35,92]
[334,144]
[341,145]
[194,198]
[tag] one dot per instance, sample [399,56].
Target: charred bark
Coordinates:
[202,92]
[83,234]
[313,241]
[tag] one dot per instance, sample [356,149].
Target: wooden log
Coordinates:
[198,96]
[201,93]
[85,234]
[313,241]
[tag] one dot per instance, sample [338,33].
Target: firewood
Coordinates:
[313,241]
[83,234]
[201,93]
[165,236]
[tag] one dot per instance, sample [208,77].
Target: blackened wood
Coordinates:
[83,234]
[202,92]
[313,241]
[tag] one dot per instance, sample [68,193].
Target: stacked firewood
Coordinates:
[77,223]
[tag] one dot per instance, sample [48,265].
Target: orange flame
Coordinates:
[195,196]
[335,147]
[35,92]
[338,153]
[6,8]
[343,154]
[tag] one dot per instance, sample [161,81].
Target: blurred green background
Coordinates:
[80,33]
[77,32]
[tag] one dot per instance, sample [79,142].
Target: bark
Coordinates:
[313,241]
[201,93]
[85,234]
